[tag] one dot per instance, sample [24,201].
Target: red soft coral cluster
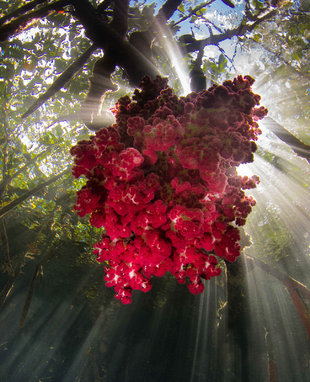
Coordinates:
[162,183]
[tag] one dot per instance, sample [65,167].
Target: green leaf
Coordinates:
[48,139]
[258,4]
[222,62]
[201,12]
[181,8]
[257,37]
[60,65]
[58,131]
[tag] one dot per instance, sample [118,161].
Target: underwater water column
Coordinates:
[244,326]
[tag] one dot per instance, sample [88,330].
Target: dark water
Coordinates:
[76,331]
[244,327]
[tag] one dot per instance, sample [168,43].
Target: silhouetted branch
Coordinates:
[30,193]
[260,20]
[104,5]
[236,274]
[102,34]
[100,82]
[300,13]
[120,16]
[271,358]
[6,180]
[300,308]
[168,9]
[29,296]
[193,12]
[289,281]
[6,290]
[8,287]
[119,24]
[241,30]
[9,29]
[21,10]
[5,246]
[61,80]
[5,151]
[5,175]
[198,80]
[293,287]
[296,145]
[248,12]
[229,3]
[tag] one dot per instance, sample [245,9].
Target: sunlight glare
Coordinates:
[175,56]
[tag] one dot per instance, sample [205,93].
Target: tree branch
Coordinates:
[29,296]
[104,5]
[100,82]
[193,11]
[30,193]
[241,30]
[120,16]
[135,64]
[289,281]
[5,149]
[6,247]
[6,290]
[248,12]
[260,20]
[21,10]
[270,357]
[296,145]
[293,287]
[300,308]
[9,29]
[5,155]
[168,9]
[8,287]
[61,80]
[6,181]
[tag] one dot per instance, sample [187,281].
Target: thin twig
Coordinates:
[6,290]
[29,296]
[193,11]
[240,30]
